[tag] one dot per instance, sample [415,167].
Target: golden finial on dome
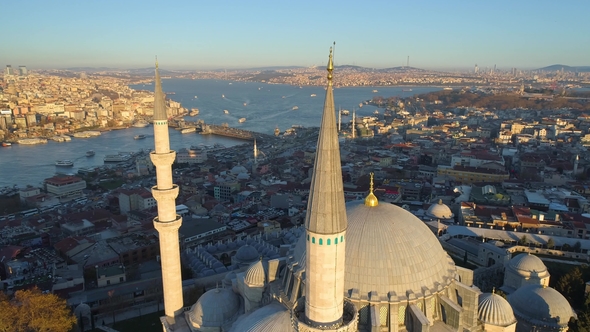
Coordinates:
[156,61]
[371,199]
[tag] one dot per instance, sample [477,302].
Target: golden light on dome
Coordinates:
[371,199]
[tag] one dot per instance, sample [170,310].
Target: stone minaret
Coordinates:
[167,222]
[353,123]
[326,225]
[576,162]
[255,153]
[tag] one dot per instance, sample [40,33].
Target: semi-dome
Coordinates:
[539,305]
[247,253]
[495,310]
[439,211]
[214,308]
[526,264]
[256,274]
[389,250]
[271,318]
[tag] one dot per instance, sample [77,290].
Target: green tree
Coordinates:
[523,241]
[33,311]
[571,285]
[550,243]
[582,324]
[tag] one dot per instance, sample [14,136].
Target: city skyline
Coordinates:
[232,35]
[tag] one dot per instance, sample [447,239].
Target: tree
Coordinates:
[33,311]
[571,286]
[523,241]
[550,243]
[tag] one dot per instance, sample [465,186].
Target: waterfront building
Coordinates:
[136,199]
[65,188]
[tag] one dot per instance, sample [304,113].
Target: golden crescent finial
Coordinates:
[371,199]
[330,67]
[156,61]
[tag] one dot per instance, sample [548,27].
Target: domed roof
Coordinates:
[527,263]
[270,318]
[238,169]
[541,306]
[256,274]
[82,310]
[247,253]
[389,249]
[439,211]
[495,310]
[214,308]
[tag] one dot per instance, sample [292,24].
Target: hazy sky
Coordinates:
[249,33]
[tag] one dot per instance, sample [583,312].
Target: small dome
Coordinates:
[439,211]
[256,274]
[247,253]
[270,318]
[527,263]
[214,308]
[238,169]
[82,310]
[495,310]
[540,305]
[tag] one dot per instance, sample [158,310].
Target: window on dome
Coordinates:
[336,241]
[321,242]
[313,240]
[328,241]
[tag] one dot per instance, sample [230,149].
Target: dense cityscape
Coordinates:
[494,168]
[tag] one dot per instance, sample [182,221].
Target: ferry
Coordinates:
[139,137]
[64,163]
[31,141]
[376,112]
[194,112]
[245,104]
[277,131]
[222,96]
[188,130]
[225,112]
[312,95]
[86,134]
[116,158]
[196,97]
[406,90]
[295,108]
[141,124]
[6,144]
[360,104]
[90,153]
[242,120]
[345,112]
[375,91]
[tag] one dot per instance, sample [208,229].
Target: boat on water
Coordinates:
[360,104]
[374,91]
[241,120]
[31,141]
[188,130]
[312,95]
[86,134]
[406,90]
[345,112]
[376,112]
[194,112]
[245,104]
[64,163]
[90,153]
[448,88]
[222,96]
[277,131]
[6,144]
[225,112]
[116,158]
[139,137]
[141,124]
[196,97]
[295,108]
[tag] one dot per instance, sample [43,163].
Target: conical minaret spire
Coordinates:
[326,225]
[167,222]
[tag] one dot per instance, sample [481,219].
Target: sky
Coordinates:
[195,34]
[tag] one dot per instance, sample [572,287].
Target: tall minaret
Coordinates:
[255,153]
[339,119]
[576,162]
[353,123]
[167,222]
[326,225]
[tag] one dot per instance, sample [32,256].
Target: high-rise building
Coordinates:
[9,70]
[23,71]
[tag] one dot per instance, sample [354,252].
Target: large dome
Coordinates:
[541,305]
[256,274]
[525,264]
[495,310]
[271,318]
[214,308]
[247,253]
[388,250]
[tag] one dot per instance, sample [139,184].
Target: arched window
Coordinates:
[313,240]
[336,241]
[321,242]
[341,238]
[328,241]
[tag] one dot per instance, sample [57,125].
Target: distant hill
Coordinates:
[558,67]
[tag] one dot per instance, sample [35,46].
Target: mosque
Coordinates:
[359,266]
